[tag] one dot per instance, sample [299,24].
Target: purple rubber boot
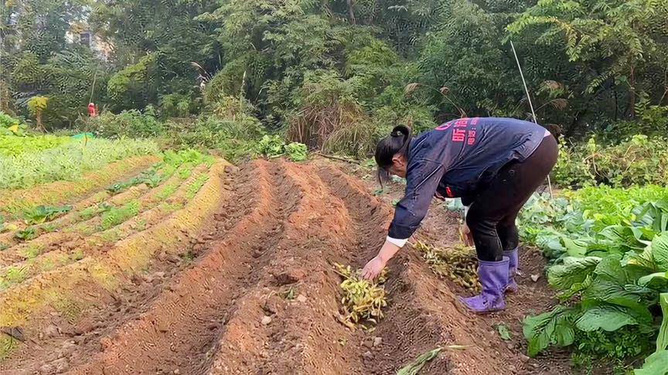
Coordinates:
[494,278]
[513,263]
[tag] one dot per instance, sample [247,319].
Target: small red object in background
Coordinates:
[92,112]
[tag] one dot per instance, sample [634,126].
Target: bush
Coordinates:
[273,146]
[329,117]
[10,126]
[131,123]
[231,129]
[637,161]
[177,105]
[234,139]
[226,82]
[7,121]
[651,121]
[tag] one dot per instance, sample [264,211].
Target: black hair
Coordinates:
[396,143]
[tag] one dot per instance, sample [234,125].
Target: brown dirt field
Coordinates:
[218,304]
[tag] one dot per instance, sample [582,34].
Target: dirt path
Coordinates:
[260,295]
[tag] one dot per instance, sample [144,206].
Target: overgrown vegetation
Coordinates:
[637,161]
[332,75]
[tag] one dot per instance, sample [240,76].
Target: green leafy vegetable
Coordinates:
[41,214]
[655,364]
[271,146]
[660,251]
[610,263]
[572,271]
[662,338]
[296,151]
[552,328]
[606,317]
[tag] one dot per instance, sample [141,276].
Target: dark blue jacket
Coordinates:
[456,159]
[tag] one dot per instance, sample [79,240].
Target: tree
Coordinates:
[617,41]
[37,105]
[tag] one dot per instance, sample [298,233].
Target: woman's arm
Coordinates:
[465,231]
[421,183]
[375,266]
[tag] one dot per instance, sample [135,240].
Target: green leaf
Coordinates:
[573,248]
[655,280]
[552,328]
[610,267]
[660,251]
[296,151]
[504,332]
[623,237]
[606,317]
[576,288]
[630,296]
[655,364]
[642,260]
[572,271]
[662,339]
[414,367]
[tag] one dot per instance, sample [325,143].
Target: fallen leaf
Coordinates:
[504,332]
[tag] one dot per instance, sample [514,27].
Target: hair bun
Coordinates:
[400,131]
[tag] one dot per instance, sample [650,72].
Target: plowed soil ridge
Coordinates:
[179,328]
[260,295]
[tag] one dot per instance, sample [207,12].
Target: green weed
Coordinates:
[141,225]
[77,255]
[13,275]
[167,191]
[196,185]
[69,309]
[117,215]
[33,251]
[26,234]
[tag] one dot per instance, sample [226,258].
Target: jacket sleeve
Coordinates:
[422,181]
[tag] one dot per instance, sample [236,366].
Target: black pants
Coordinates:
[491,216]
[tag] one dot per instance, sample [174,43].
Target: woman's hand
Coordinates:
[373,268]
[467,236]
